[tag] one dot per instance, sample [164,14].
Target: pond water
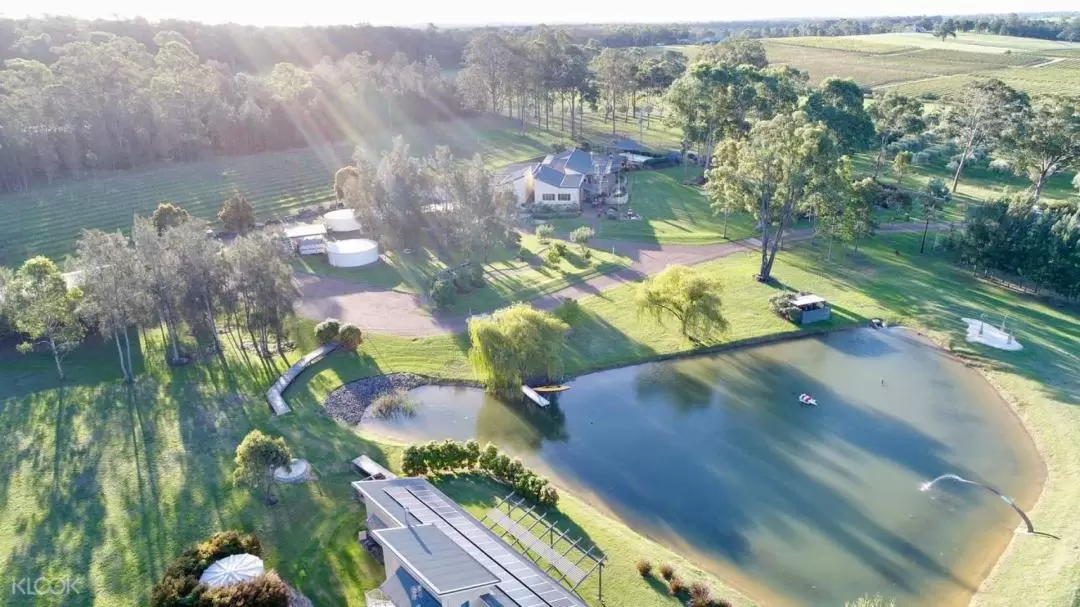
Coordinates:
[715,457]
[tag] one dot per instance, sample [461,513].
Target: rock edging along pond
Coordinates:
[349,402]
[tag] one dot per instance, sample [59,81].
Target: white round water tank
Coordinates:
[352,253]
[341,220]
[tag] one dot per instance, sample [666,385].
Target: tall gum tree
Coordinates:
[774,170]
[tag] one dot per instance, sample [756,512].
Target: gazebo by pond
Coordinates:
[812,308]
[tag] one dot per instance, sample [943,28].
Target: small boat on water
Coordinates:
[807,400]
[551,388]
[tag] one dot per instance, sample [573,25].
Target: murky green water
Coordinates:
[805,505]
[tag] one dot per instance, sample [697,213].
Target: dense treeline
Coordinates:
[242,47]
[107,103]
[540,75]
[1037,246]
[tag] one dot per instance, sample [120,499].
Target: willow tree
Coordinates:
[688,296]
[772,173]
[516,344]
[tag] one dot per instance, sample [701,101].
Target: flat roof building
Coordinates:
[438,555]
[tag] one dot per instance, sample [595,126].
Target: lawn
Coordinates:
[47,221]
[672,213]
[509,275]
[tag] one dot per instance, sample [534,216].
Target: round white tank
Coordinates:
[341,220]
[352,253]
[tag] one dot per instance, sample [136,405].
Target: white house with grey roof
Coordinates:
[438,555]
[563,181]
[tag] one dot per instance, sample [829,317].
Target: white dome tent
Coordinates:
[352,253]
[341,220]
[232,570]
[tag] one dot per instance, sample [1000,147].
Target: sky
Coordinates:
[474,12]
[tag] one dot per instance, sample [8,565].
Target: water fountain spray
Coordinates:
[1008,500]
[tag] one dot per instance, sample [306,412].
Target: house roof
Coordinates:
[414,502]
[571,160]
[443,564]
[403,589]
[559,179]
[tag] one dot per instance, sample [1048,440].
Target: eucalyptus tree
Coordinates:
[157,266]
[168,215]
[839,103]
[200,276]
[934,198]
[772,172]
[1046,141]
[261,278]
[114,289]
[735,51]
[712,101]
[43,308]
[613,74]
[987,113]
[894,115]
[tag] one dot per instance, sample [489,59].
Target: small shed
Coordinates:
[812,308]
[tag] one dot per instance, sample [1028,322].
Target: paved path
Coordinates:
[379,310]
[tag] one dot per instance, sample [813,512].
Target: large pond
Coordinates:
[715,457]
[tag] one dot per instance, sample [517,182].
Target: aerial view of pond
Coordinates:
[714,456]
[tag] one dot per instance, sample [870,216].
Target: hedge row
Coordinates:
[449,456]
[179,586]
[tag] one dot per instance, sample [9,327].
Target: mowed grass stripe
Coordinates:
[47,221]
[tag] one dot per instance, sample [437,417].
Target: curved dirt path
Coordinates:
[381,310]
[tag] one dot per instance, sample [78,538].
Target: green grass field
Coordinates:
[508,277]
[48,220]
[672,213]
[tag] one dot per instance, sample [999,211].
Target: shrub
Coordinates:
[544,232]
[256,457]
[667,571]
[393,404]
[476,274]
[569,311]
[561,248]
[442,292]
[781,305]
[721,603]
[462,284]
[524,254]
[1000,166]
[351,337]
[552,257]
[587,254]
[181,577]
[700,595]
[581,237]
[448,456]
[327,331]
[644,568]
[267,590]
[676,587]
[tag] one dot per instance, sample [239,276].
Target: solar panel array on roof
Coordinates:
[519,580]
